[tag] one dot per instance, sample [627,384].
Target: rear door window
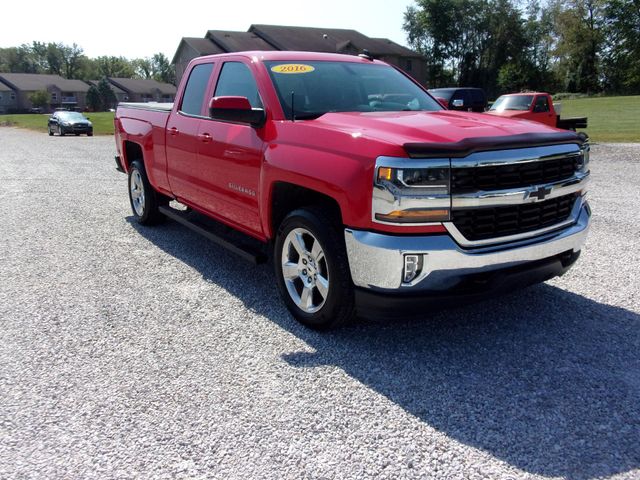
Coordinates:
[196,88]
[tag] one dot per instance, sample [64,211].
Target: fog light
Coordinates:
[412,267]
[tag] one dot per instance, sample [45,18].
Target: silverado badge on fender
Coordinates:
[241,189]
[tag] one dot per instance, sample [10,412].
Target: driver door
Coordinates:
[541,111]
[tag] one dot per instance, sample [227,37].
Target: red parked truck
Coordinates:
[535,106]
[365,191]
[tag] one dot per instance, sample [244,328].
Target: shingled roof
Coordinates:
[115,89]
[31,82]
[203,46]
[230,41]
[3,87]
[329,40]
[395,48]
[143,86]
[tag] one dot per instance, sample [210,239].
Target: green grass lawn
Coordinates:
[102,122]
[611,119]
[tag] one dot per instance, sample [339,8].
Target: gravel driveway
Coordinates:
[131,352]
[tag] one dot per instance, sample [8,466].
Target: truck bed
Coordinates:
[572,123]
[152,106]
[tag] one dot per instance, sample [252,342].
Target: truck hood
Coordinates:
[445,126]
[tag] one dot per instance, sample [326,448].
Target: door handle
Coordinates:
[173,131]
[204,137]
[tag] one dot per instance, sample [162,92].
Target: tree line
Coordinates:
[584,46]
[69,61]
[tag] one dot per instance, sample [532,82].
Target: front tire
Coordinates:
[312,269]
[143,198]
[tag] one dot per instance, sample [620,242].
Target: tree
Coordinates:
[433,29]
[515,76]
[107,96]
[157,67]
[118,67]
[467,41]
[71,59]
[40,99]
[94,99]
[578,28]
[143,67]
[621,50]
[39,51]
[18,60]
[88,69]
[163,71]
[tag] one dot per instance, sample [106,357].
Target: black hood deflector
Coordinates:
[482,144]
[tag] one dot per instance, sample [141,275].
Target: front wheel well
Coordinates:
[287,197]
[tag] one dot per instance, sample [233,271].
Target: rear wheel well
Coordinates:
[287,197]
[132,151]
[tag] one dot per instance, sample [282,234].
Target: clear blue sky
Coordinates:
[141,28]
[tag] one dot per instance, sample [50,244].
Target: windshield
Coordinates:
[316,88]
[70,116]
[512,102]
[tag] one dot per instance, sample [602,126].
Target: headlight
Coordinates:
[411,191]
[89,124]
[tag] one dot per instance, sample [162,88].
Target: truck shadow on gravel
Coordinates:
[543,379]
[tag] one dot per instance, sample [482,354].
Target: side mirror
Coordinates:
[236,109]
[458,103]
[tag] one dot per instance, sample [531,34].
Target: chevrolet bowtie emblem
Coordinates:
[540,193]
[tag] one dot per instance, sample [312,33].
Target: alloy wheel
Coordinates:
[305,270]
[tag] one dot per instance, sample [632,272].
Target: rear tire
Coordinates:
[143,198]
[312,269]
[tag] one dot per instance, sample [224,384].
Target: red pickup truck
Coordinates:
[367,194]
[535,106]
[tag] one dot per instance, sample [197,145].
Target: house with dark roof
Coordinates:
[8,99]
[121,95]
[279,37]
[191,48]
[238,41]
[144,90]
[70,94]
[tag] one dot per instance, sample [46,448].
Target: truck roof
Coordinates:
[263,55]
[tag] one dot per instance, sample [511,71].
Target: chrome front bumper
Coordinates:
[377,260]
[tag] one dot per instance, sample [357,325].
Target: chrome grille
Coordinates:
[484,223]
[514,175]
[500,196]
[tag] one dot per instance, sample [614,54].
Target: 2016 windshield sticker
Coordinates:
[292,68]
